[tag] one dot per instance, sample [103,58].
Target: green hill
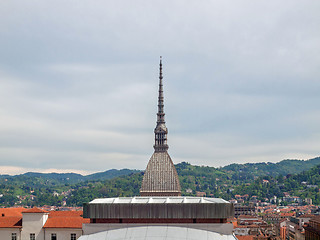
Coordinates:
[112,173]
[299,178]
[285,167]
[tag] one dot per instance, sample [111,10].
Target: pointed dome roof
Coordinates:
[160,177]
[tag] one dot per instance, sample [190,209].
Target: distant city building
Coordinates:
[283,231]
[253,227]
[294,231]
[244,210]
[308,201]
[189,190]
[312,230]
[201,194]
[296,227]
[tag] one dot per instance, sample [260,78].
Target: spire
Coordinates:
[160,114]
[160,177]
[161,129]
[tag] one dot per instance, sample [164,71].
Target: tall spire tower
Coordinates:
[160,177]
[161,130]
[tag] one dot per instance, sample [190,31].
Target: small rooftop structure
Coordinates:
[35,210]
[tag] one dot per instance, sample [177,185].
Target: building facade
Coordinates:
[312,230]
[38,224]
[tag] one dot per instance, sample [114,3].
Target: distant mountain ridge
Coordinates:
[75,177]
[112,173]
[283,167]
[249,170]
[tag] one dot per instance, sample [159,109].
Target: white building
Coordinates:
[38,224]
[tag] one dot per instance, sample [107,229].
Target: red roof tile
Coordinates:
[10,222]
[65,214]
[65,222]
[11,212]
[287,214]
[35,210]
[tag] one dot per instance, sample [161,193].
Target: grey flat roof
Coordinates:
[157,233]
[158,207]
[150,200]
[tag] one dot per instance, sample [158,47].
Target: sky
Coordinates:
[79,82]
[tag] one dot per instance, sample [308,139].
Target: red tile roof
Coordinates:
[10,222]
[287,214]
[11,212]
[65,214]
[65,219]
[35,210]
[57,219]
[65,222]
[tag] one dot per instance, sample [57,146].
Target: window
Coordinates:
[53,236]
[73,236]
[13,236]
[32,236]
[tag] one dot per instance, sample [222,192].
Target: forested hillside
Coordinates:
[285,167]
[75,189]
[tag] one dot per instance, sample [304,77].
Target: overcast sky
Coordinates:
[79,82]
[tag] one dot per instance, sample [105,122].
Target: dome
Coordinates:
[157,233]
[160,177]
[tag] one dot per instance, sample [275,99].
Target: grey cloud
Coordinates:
[79,81]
